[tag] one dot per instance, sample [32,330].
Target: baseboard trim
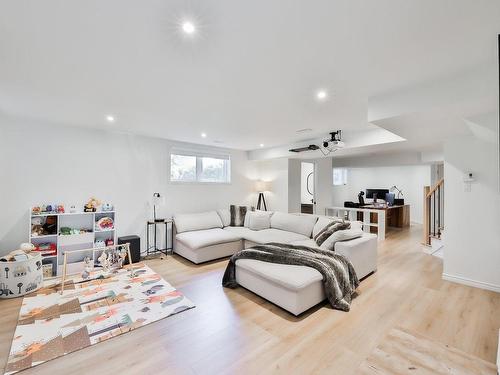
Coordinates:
[469,282]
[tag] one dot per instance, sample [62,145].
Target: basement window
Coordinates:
[188,166]
[339,176]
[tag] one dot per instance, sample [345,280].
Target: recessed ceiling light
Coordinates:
[305,130]
[110,118]
[203,135]
[188,27]
[321,95]
[261,145]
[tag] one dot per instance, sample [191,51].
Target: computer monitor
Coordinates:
[379,192]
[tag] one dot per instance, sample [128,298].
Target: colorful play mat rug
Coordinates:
[89,311]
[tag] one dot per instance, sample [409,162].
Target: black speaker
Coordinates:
[135,246]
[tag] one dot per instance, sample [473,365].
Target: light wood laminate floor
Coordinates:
[237,332]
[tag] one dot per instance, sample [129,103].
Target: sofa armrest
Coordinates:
[362,252]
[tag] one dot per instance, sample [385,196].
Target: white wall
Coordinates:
[294,175]
[275,171]
[410,179]
[323,185]
[472,235]
[41,164]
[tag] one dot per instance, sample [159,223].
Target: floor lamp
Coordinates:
[261,187]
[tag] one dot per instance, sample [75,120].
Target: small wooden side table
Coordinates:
[153,248]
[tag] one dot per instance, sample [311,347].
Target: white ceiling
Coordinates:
[249,75]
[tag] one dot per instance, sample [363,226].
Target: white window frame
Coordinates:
[199,166]
[344,177]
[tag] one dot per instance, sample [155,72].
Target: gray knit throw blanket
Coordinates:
[339,278]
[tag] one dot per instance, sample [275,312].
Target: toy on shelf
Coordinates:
[66,231]
[43,226]
[36,210]
[110,242]
[72,209]
[105,223]
[36,227]
[46,248]
[47,270]
[91,205]
[60,209]
[99,243]
[50,225]
[106,207]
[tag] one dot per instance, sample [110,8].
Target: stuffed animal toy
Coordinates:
[36,210]
[72,209]
[36,226]
[27,247]
[60,209]
[91,205]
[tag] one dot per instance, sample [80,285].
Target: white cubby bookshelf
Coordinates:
[70,242]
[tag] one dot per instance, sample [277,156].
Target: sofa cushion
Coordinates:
[341,235]
[301,224]
[309,243]
[225,216]
[265,235]
[238,214]
[289,276]
[273,235]
[258,220]
[200,221]
[322,222]
[242,232]
[208,237]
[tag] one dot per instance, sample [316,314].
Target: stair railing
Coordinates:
[433,211]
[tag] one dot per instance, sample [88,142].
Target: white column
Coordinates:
[381,224]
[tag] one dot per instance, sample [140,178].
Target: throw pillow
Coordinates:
[225,216]
[329,230]
[258,220]
[341,235]
[238,214]
[326,225]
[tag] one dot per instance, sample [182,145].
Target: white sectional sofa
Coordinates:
[203,237]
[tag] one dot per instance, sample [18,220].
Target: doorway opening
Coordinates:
[307,199]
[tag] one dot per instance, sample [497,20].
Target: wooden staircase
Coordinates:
[433,212]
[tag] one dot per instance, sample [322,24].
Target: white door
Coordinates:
[307,181]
